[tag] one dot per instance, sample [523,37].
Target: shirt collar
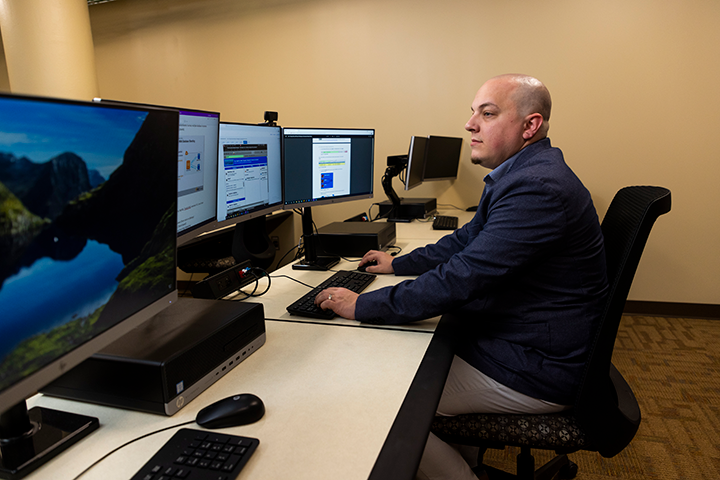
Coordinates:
[496,174]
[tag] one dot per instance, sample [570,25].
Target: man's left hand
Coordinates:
[339,300]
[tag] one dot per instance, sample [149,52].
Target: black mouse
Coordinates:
[231,412]
[364,266]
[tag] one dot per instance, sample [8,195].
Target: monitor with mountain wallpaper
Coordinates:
[88,218]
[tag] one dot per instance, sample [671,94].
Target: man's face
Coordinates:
[495,126]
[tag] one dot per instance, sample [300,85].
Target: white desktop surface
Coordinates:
[331,394]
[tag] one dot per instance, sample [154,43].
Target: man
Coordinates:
[526,275]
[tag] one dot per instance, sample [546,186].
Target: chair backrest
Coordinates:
[625,229]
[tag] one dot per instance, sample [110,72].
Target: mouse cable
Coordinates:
[293,279]
[128,443]
[450,205]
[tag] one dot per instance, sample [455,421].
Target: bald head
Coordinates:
[509,113]
[530,96]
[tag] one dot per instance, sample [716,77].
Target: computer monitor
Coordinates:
[88,241]
[197,173]
[249,186]
[197,169]
[442,157]
[415,162]
[323,166]
[249,172]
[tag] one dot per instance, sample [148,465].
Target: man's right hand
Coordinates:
[384,262]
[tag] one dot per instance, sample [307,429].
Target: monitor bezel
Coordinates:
[329,200]
[416,153]
[28,386]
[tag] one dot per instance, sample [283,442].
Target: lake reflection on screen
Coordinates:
[61,301]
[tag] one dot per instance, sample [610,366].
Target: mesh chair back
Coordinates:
[625,228]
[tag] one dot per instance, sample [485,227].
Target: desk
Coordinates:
[336,396]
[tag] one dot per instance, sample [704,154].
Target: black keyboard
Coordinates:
[445,222]
[305,305]
[199,455]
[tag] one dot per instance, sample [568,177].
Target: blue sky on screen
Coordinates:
[43,130]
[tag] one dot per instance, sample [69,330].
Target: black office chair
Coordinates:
[605,416]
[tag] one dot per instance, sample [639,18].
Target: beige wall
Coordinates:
[48,47]
[634,86]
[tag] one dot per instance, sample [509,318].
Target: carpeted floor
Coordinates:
[673,366]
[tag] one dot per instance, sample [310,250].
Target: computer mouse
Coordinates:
[232,411]
[364,266]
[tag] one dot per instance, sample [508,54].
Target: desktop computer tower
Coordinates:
[354,239]
[169,360]
[409,208]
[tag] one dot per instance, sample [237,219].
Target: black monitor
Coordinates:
[442,157]
[323,166]
[88,240]
[197,168]
[415,162]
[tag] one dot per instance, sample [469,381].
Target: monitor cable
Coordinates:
[263,273]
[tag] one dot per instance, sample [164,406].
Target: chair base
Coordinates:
[559,467]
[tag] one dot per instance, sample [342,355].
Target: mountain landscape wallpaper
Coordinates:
[87,223]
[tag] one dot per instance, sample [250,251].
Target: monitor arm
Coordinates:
[395,165]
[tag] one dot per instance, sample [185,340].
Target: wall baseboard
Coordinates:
[671,309]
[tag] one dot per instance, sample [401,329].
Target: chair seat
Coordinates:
[555,431]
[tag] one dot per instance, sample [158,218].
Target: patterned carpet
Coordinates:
[673,366]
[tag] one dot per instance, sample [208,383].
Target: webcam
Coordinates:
[271,118]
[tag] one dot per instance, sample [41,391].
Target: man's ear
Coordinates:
[533,122]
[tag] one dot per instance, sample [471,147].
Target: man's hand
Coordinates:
[339,300]
[384,262]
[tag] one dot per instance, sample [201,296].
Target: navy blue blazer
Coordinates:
[527,274]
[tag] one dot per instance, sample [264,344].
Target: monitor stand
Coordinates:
[312,260]
[29,439]
[396,209]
